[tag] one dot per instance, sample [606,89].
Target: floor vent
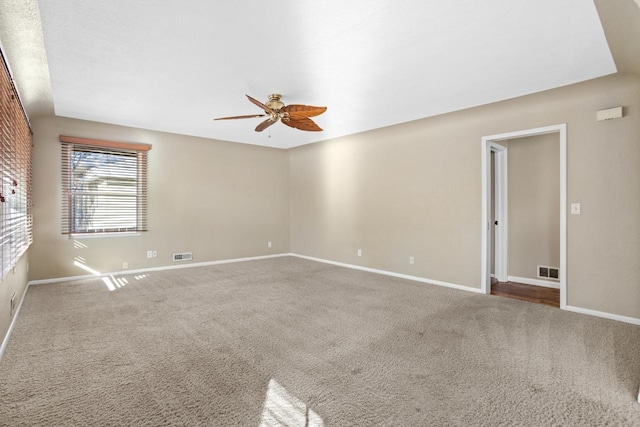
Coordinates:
[184,256]
[545,272]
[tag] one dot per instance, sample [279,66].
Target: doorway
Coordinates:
[494,209]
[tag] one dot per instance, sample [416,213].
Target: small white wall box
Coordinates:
[609,114]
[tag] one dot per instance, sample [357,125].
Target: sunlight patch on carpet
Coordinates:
[114,283]
[282,409]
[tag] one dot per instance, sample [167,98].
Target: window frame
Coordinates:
[69,145]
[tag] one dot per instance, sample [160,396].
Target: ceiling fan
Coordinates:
[295,115]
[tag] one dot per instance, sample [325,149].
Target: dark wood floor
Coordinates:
[536,294]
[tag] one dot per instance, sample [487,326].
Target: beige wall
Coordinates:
[394,193]
[216,199]
[533,204]
[415,190]
[15,281]
[407,190]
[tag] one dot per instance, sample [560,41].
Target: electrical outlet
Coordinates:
[359,252]
[154,254]
[149,254]
[269,244]
[411,260]
[125,264]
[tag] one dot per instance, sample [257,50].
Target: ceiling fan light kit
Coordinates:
[296,116]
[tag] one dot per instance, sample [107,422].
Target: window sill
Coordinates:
[99,235]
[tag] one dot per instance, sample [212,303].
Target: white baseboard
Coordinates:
[625,319]
[619,318]
[62,279]
[147,270]
[5,341]
[534,282]
[392,274]
[595,313]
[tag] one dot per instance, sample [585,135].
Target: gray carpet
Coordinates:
[290,342]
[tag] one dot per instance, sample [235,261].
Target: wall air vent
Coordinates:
[545,272]
[184,256]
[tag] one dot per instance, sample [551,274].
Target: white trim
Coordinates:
[146,270]
[392,274]
[534,282]
[563,216]
[61,279]
[5,341]
[619,318]
[81,236]
[501,204]
[586,311]
[524,133]
[485,282]
[589,312]
[485,256]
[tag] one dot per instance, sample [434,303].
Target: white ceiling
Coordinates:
[174,65]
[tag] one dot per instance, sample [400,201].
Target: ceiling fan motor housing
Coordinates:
[274,102]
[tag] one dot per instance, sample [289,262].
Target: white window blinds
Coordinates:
[104,186]
[15,174]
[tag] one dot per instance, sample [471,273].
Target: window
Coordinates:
[104,186]
[15,174]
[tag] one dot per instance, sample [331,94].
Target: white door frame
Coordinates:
[488,145]
[500,209]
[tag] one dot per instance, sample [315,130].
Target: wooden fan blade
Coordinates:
[297,110]
[260,104]
[302,123]
[251,116]
[262,126]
